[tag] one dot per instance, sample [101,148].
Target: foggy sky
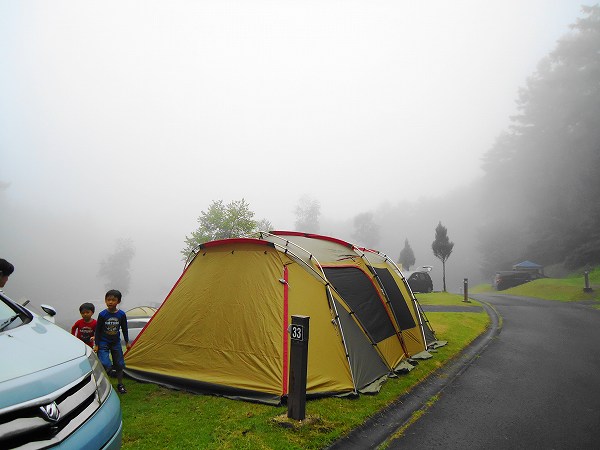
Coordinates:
[126,119]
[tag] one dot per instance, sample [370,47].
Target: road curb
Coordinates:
[379,428]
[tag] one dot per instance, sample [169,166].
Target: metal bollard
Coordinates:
[466,290]
[586,277]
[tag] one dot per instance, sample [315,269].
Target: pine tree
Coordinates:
[442,248]
[407,256]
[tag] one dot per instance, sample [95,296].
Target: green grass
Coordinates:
[158,418]
[569,289]
[594,275]
[564,290]
[444,298]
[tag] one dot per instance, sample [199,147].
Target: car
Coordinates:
[511,278]
[135,326]
[53,390]
[137,318]
[420,280]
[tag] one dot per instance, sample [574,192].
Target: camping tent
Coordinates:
[375,289]
[223,328]
[137,318]
[383,264]
[224,324]
[530,267]
[140,311]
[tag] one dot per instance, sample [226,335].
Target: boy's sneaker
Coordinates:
[121,389]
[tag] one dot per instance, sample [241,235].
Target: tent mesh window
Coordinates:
[403,315]
[360,294]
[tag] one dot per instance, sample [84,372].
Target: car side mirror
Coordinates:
[48,310]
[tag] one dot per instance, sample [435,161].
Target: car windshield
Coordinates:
[5,310]
[9,314]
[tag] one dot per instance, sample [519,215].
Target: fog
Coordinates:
[124,120]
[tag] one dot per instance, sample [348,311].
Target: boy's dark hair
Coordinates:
[114,293]
[6,268]
[87,307]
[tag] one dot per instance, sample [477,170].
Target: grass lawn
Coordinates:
[568,289]
[158,418]
[443,298]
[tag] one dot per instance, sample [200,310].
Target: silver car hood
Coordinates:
[36,346]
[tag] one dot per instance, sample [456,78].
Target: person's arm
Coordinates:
[125,330]
[74,329]
[99,328]
[93,337]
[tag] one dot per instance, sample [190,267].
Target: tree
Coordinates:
[222,221]
[307,213]
[264,225]
[115,268]
[543,172]
[366,231]
[407,257]
[442,248]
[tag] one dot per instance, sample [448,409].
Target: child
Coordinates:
[6,270]
[108,339]
[85,328]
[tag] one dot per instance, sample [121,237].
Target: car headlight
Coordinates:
[103,386]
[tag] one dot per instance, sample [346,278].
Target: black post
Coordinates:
[298,367]
[466,290]
[587,287]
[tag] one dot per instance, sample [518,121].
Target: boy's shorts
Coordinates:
[113,349]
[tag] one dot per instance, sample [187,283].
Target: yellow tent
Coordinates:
[140,311]
[375,288]
[223,328]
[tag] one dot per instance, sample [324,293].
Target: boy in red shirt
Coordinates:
[85,328]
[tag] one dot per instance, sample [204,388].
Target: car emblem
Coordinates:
[51,411]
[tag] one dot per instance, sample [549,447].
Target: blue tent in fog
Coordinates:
[528,266]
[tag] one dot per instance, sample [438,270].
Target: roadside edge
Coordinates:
[380,427]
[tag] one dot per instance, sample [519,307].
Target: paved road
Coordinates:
[535,386]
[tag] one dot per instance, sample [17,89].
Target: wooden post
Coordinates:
[298,367]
